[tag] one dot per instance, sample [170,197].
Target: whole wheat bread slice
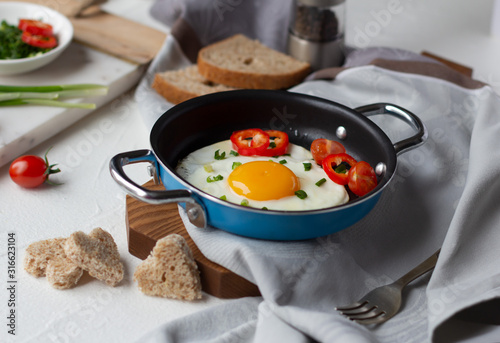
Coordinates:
[241,62]
[47,258]
[170,271]
[96,253]
[180,85]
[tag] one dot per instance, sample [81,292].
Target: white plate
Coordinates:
[63,30]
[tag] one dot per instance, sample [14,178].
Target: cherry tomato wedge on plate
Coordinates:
[322,147]
[250,142]
[334,166]
[278,143]
[362,178]
[39,41]
[35,27]
[31,171]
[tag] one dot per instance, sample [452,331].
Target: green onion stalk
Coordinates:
[50,95]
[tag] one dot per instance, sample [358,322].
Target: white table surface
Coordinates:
[89,198]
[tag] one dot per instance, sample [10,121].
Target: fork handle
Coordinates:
[419,270]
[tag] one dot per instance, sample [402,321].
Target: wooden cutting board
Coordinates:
[147,223]
[117,36]
[106,32]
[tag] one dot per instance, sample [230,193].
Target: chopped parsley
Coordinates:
[11,45]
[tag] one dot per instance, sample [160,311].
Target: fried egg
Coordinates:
[292,182]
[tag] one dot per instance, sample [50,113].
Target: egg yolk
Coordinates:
[263,180]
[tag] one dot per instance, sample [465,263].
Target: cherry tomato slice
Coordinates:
[31,171]
[322,147]
[39,41]
[250,142]
[278,145]
[362,178]
[35,27]
[332,167]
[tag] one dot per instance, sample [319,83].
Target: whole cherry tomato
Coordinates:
[362,178]
[31,171]
[322,147]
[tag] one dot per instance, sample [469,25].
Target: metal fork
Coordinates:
[384,302]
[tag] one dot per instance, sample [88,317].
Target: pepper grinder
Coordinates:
[316,32]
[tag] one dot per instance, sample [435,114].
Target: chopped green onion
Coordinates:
[214,178]
[307,166]
[341,169]
[282,162]
[265,208]
[272,145]
[320,182]
[244,202]
[301,194]
[208,168]
[223,197]
[235,164]
[219,156]
[234,153]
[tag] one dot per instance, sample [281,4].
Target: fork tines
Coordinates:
[363,313]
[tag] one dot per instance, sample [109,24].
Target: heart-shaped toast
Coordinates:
[47,258]
[170,271]
[96,253]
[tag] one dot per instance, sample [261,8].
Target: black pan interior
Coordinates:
[208,119]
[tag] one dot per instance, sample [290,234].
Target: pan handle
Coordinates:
[195,212]
[385,108]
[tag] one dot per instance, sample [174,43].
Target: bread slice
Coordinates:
[38,255]
[180,85]
[62,274]
[96,253]
[170,271]
[244,63]
[47,258]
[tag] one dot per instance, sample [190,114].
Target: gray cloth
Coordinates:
[444,194]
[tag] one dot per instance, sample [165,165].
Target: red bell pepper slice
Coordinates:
[278,145]
[332,165]
[35,27]
[250,142]
[38,41]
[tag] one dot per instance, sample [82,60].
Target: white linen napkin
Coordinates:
[444,191]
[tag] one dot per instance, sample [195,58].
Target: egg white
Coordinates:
[201,164]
